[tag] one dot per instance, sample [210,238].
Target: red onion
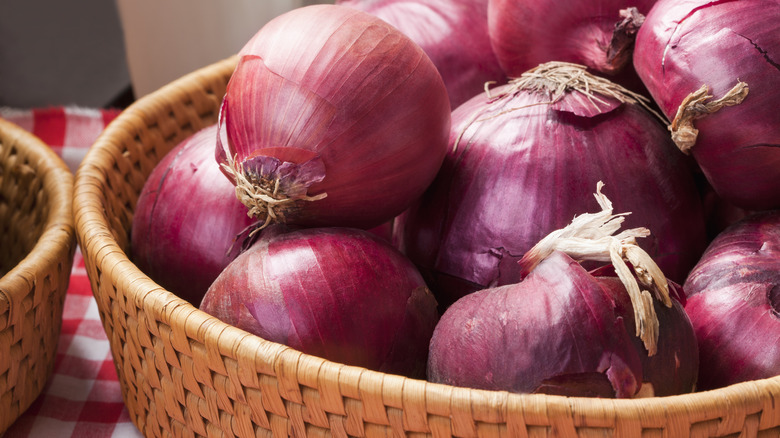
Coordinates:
[565,331]
[333,117]
[453,33]
[520,165]
[187,223]
[342,294]
[734,302]
[698,60]
[596,33]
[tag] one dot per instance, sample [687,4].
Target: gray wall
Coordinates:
[87,52]
[55,52]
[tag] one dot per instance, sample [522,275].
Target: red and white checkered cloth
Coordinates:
[83,397]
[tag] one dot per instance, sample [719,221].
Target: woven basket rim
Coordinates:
[170,309]
[59,233]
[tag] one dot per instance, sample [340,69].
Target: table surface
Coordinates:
[83,397]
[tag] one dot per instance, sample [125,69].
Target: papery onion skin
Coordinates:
[342,294]
[335,102]
[674,369]
[526,168]
[187,224]
[684,45]
[559,331]
[453,33]
[525,34]
[734,302]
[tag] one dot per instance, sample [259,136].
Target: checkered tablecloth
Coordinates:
[83,397]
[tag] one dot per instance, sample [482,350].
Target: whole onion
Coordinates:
[342,294]
[188,224]
[597,33]
[565,331]
[333,117]
[520,165]
[734,302]
[453,33]
[712,67]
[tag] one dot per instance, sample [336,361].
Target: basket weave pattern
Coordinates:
[37,244]
[185,373]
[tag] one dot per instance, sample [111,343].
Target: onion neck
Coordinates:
[591,236]
[556,78]
[272,189]
[697,105]
[621,46]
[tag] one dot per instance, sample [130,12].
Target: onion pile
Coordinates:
[712,67]
[187,224]
[453,33]
[519,166]
[342,294]
[564,331]
[383,189]
[333,118]
[734,302]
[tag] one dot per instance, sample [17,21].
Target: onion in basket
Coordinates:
[522,162]
[333,118]
[713,67]
[734,302]
[565,331]
[187,224]
[342,294]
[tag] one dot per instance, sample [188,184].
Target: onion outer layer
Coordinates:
[342,294]
[712,67]
[188,224]
[520,165]
[333,118]
[734,302]
[565,331]
[454,34]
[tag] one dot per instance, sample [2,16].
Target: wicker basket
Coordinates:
[185,373]
[37,242]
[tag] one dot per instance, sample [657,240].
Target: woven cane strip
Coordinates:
[37,243]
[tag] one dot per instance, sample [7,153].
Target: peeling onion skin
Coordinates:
[674,369]
[346,106]
[341,294]
[734,302]
[518,175]
[560,331]
[453,33]
[187,222]
[684,45]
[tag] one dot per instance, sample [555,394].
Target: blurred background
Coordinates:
[102,54]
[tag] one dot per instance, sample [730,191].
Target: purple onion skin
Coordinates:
[453,33]
[674,369]
[686,44]
[350,107]
[734,302]
[526,34]
[515,178]
[341,294]
[187,220]
[560,331]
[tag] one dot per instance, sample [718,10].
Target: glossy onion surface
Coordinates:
[342,294]
[734,302]
[707,49]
